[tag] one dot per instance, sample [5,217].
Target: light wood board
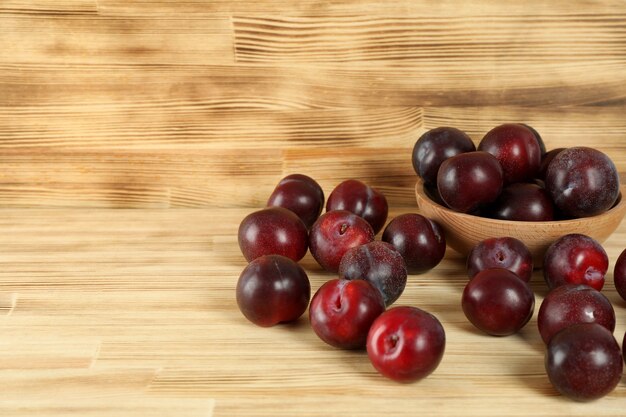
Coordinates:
[135,135]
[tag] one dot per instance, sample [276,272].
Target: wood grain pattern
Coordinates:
[75,40]
[135,135]
[139,304]
[492,42]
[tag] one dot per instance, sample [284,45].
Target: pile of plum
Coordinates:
[510,176]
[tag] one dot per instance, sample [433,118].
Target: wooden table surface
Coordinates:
[135,135]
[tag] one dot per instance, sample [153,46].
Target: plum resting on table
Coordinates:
[272,231]
[334,233]
[406,344]
[575,259]
[380,264]
[342,311]
[584,361]
[300,194]
[273,289]
[501,252]
[572,304]
[420,241]
[498,302]
[360,199]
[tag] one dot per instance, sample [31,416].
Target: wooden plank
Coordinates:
[139,178]
[47,353]
[167,333]
[151,126]
[345,85]
[494,40]
[338,7]
[76,39]
[48,7]
[189,157]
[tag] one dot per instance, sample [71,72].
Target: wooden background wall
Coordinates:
[116,103]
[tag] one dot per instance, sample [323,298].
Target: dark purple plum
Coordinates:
[300,194]
[497,302]
[501,252]
[434,147]
[273,289]
[523,202]
[572,304]
[582,182]
[575,259]
[342,311]
[420,241]
[584,361]
[545,162]
[516,148]
[469,181]
[542,144]
[272,231]
[406,344]
[362,200]
[334,233]
[380,264]
[619,275]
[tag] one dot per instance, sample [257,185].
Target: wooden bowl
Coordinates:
[464,231]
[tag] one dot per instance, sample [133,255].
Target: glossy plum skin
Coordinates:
[501,252]
[540,141]
[575,259]
[334,233]
[420,241]
[572,304]
[406,344]
[362,200]
[272,231]
[300,194]
[342,311]
[523,202]
[584,362]
[380,264]
[273,289]
[516,148]
[582,182]
[497,302]
[434,147]
[619,275]
[469,181]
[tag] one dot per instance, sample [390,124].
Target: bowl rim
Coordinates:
[620,204]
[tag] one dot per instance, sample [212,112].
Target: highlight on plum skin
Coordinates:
[380,264]
[498,302]
[342,311]
[300,194]
[575,259]
[584,361]
[573,304]
[420,241]
[336,232]
[406,344]
[362,200]
[272,231]
[273,289]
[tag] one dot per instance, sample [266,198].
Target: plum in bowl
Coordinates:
[464,231]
